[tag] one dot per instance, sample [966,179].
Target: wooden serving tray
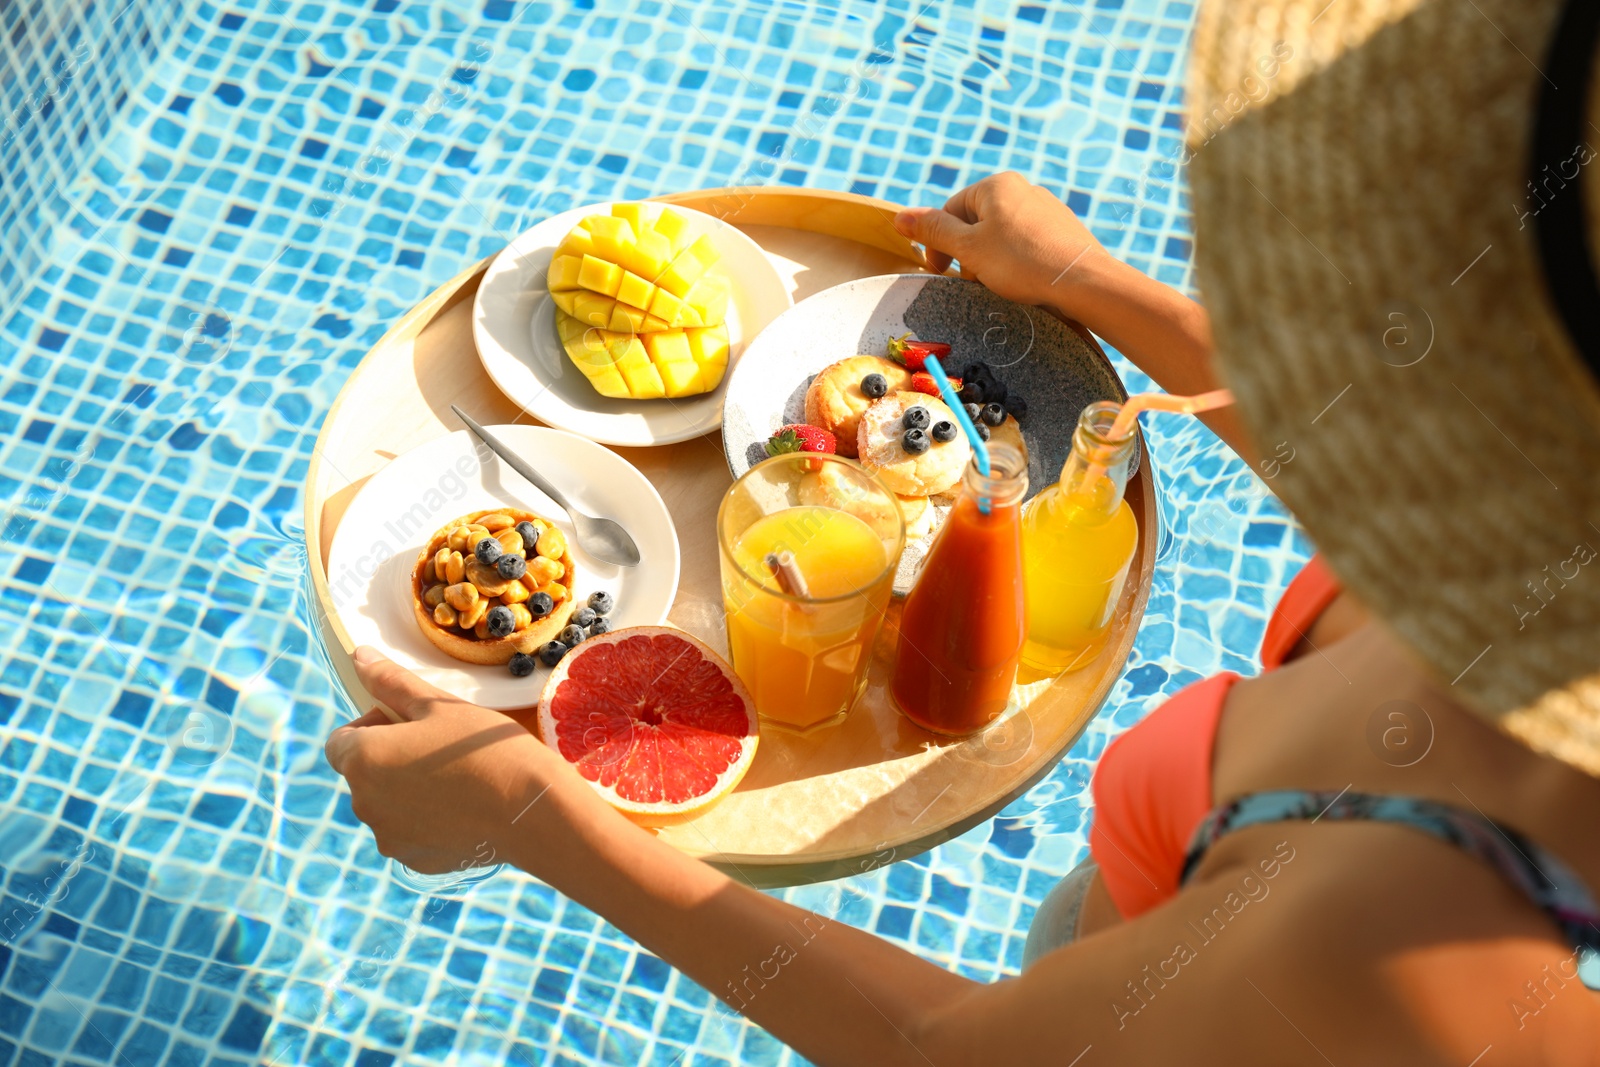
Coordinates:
[871,791]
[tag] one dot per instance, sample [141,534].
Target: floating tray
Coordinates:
[871,791]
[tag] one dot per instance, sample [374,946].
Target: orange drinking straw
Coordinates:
[1188,405]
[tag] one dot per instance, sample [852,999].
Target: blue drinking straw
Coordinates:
[980,451]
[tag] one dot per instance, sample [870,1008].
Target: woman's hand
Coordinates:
[1014,237]
[1027,246]
[446,788]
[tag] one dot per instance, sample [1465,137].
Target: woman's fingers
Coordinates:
[941,233]
[395,687]
[340,743]
[964,204]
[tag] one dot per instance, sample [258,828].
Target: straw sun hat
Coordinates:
[1398,214]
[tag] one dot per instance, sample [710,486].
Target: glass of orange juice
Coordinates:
[809,544]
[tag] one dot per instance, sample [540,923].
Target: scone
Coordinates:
[918,514]
[879,446]
[1010,433]
[1007,433]
[833,487]
[835,401]
[453,590]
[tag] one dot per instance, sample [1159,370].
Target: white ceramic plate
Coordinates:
[1033,353]
[399,508]
[513,324]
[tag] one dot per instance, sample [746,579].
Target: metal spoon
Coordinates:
[601,538]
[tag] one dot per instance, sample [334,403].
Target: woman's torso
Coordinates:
[1352,711]
[1463,953]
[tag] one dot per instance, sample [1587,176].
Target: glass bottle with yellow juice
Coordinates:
[809,548]
[1078,540]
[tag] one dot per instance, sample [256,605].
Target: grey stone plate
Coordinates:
[1031,351]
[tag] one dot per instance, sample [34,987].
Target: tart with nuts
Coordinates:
[492,584]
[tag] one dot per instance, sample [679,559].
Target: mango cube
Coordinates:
[634,290]
[590,352]
[639,215]
[577,243]
[708,297]
[597,275]
[612,237]
[563,272]
[669,351]
[644,382]
[648,256]
[687,267]
[666,306]
[674,227]
[591,308]
[709,346]
[625,319]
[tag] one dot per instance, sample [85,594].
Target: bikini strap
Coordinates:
[1543,878]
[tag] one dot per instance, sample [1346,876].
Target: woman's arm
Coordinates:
[1026,245]
[1291,935]
[454,780]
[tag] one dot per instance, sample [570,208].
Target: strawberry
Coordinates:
[922,382]
[912,354]
[801,437]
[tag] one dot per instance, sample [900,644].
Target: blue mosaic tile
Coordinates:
[207,215]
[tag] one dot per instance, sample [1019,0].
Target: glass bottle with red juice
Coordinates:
[964,622]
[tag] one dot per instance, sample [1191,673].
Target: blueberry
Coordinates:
[993,414]
[522,664]
[599,626]
[1017,406]
[551,653]
[584,617]
[571,636]
[973,411]
[994,392]
[530,534]
[500,621]
[488,551]
[972,393]
[975,372]
[511,567]
[602,602]
[874,386]
[944,430]
[983,431]
[915,442]
[916,418]
[540,605]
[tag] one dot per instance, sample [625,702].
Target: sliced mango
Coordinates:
[641,311]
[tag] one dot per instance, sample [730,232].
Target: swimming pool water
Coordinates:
[208,212]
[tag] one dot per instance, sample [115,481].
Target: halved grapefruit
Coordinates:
[657,722]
